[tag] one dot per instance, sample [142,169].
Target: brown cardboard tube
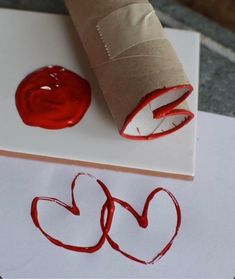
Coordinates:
[138,71]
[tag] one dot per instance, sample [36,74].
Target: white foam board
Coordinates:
[32,40]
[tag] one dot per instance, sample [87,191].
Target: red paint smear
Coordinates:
[143,222]
[164,111]
[73,209]
[53,98]
[109,207]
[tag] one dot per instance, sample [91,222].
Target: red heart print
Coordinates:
[106,220]
[73,209]
[143,222]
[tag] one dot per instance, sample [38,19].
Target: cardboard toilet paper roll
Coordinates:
[138,71]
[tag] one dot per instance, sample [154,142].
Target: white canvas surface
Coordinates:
[204,248]
[33,40]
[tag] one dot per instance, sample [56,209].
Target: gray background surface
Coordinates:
[217,74]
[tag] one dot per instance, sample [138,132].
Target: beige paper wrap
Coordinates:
[133,62]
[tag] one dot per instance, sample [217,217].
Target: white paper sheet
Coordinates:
[204,248]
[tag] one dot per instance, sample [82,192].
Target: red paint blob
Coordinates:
[107,213]
[53,98]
